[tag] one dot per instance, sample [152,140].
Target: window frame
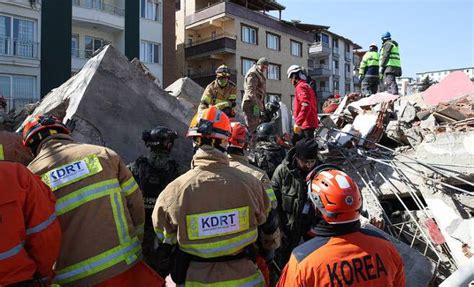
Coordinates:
[242,59]
[156,10]
[11,97]
[300,44]
[279,71]
[242,26]
[155,49]
[278,37]
[94,49]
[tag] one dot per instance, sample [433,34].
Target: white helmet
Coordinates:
[293,69]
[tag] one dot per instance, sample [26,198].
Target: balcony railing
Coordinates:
[100,5]
[320,70]
[204,78]
[18,48]
[319,48]
[347,57]
[335,72]
[209,46]
[348,75]
[335,52]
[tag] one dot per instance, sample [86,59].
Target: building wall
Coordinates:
[14,66]
[152,31]
[169,42]
[440,75]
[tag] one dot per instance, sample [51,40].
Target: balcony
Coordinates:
[218,44]
[335,72]
[319,49]
[204,78]
[348,76]
[18,48]
[335,52]
[100,14]
[322,94]
[320,71]
[347,57]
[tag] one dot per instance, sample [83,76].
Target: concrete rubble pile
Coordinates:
[414,159]
[111,101]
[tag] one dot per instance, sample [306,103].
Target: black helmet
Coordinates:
[265,131]
[272,106]
[160,137]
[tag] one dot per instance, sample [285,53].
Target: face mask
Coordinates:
[222,82]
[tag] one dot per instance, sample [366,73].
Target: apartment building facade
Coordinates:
[441,74]
[237,33]
[406,86]
[20,30]
[332,62]
[95,23]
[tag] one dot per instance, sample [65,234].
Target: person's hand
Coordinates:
[297,129]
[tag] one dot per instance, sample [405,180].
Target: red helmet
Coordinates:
[210,123]
[42,123]
[240,137]
[335,195]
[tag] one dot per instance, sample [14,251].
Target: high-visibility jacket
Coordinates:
[211,211]
[30,235]
[222,98]
[369,66]
[100,208]
[361,258]
[390,58]
[12,149]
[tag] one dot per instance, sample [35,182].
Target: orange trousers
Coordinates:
[140,275]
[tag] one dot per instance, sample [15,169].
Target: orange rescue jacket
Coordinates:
[361,258]
[30,233]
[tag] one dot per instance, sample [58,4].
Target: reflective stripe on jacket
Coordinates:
[30,233]
[369,66]
[213,210]
[361,258]
[100,208]
[12,149]
[222,98]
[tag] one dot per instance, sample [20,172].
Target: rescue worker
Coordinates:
[270,238]
[390,66]
[289,185]
[305,113]
[222,93]
[99,206]
[369,71]
[271,109]
[266,154]
[30,233]
[255,91]
[153,173]
[212,213]
[342,253]
[11,148]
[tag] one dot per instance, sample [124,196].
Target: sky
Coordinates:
[432,34]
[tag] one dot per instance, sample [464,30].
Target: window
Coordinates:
[336,85]
[75,45]
[247,64]
[348,88]
[296,48]
[17,37]
[150,52]
[348,68]
[178,5]
[348,48]
[273,41]
[18,90]
[335,43]
[273,72]
[91,45]
[322,85]
[335,64]
[249,35]
[151,9]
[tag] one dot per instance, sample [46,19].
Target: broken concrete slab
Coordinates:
[374,100]
[188,90]
[111,101]
[455,85]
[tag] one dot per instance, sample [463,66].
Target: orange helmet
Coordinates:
[32,131]
[335,195]
[210,123]
[240,136]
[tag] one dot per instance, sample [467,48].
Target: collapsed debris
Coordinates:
[111,101]
[414,159]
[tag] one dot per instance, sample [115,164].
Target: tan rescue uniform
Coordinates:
[269,241]
[99,212]
[12,149]
[222,98]
[255,91]
[213,190]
